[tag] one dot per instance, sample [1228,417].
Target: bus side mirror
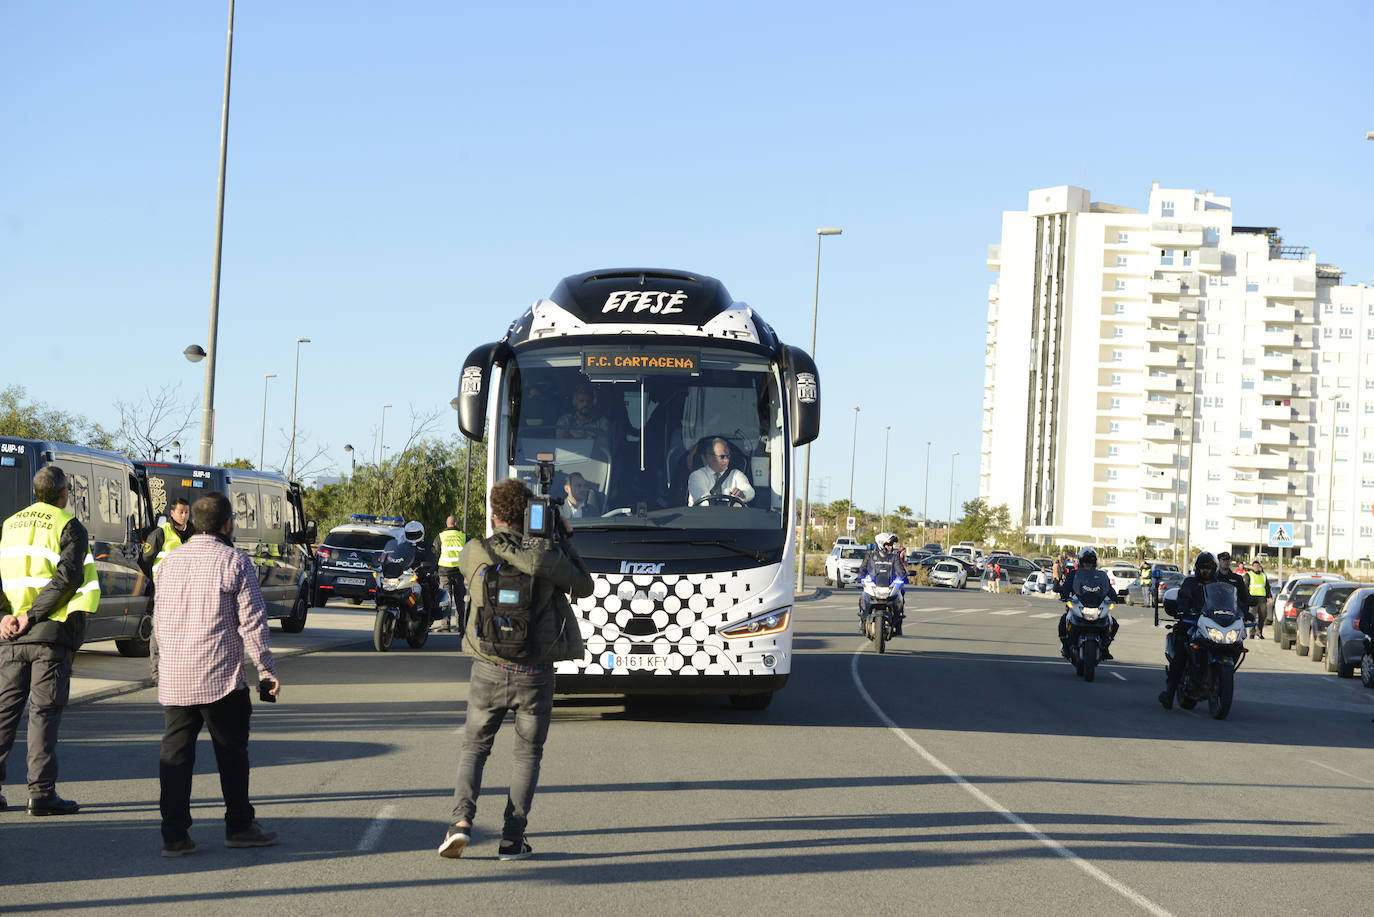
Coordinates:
[803,393]
[472,390]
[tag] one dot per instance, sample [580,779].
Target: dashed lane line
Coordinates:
[1337,771]
[373,834]
[1057,848]
[1118,675]
[1010,611]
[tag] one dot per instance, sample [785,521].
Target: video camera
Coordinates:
[542,519]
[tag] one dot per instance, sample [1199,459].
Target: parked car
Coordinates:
[842,565]
[970,571]
[1313,618]
[1285,624]
[1347,647]
[1044,563]
[845,539]
[1014,569]
[933,548]
[948,573]
[1294,578]
[1122,575]
[1038,581]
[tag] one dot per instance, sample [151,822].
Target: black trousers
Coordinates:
[227,719]
[453,582]
[40,673]
[1179,640]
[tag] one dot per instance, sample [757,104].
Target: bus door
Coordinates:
[278,570]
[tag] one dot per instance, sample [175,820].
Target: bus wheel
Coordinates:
[294,623]
[140,644]
[751,701]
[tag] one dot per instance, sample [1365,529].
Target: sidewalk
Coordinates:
[100,672]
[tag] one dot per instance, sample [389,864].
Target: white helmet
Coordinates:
[415,532]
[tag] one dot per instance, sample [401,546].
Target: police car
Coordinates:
[348,559]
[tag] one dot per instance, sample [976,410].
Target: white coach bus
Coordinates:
[671,412]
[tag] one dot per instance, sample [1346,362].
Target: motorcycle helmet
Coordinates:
[1205,567]
[1087,556]
[891,540]
[415,532]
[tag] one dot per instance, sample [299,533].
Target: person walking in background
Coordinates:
[447,547]
[49,585]
[535,575]
[209,612]
[1261,595]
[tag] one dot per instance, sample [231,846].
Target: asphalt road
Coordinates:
[966,771]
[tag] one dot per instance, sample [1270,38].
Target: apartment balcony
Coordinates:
[1276,388]
[1163,532]
[1170,336]
[1176,235]
[1278,364]
[1278,314]
[994,257]
[1208,260]
[1276,413]
[1164,432]
[1289,288]
[1159,456]
[1157,482]
[1273,436]
[1167,408]
[1264,461]
[1166,311]
[1279,339]
[1166,358]
[1162,381]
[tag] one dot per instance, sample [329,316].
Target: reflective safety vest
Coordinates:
[170,542]
[30,548]
[1258,583]
[451,543]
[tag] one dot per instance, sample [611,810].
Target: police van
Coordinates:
[350,555]
[106,495]
[269,526]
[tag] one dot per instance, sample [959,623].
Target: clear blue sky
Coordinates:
[405,178]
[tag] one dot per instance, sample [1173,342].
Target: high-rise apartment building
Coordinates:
[1170,374]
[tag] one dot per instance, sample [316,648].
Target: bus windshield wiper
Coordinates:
[620,526]
[757,556]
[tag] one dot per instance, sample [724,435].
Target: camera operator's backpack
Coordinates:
[505,617]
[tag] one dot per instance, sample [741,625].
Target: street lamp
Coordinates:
[467,474]
[925,506]
[294,389]
[207,412]
[853,450]
[352,461]
[176,446]
[950,522]
[806,474]
[262,439]
[381,437]
[887,438]
[1331,476]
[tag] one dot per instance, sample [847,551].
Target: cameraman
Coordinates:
[524,687]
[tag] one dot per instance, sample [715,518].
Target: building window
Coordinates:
[1166,208]
[1111,474]
[1120,285]
[1187,259]
[1114,404]
[1122,238]
[1211,234]
[1246,433]
[1214,475]
[1213,500]
[1116,378]
[1120,260]
[1347,309]
[1367,457]
[1212,525]
[1347,333]
[1247,383]
[1166,257]
[1252,286]
[1116,356]
[1113,427]
[1118,332]
[1366,531]
[1342,431]
[1120,309]
[1328,309]
[1326,332]
[1110,522]
[1111,498]
[1112,451]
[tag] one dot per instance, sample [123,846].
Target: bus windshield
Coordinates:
[693,443]
[15,479]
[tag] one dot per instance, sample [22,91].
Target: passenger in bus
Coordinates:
[541,406]
[580,501]
[585,421]
[716,478]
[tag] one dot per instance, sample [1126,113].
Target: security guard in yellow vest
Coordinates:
[167,537]
[49,582]
[447,547]
[1260,594]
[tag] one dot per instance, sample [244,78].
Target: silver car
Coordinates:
[948,573]
[1347,647]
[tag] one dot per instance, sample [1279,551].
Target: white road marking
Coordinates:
[1045,614]
[964,611]
[1059,849]
[374,831]
[1337,771]
[1014,611]
[1118,675]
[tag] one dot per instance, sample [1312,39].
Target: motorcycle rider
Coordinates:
[1192,597]
[1092,588]
[426,566]
[882,556]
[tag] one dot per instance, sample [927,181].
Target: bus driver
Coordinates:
[716,477]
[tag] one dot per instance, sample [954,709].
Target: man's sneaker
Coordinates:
[252,836]
[179,848]
[454,842]
[1166,699]
[514,850]
[52,805]
[1106,654]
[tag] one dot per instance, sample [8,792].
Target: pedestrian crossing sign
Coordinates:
[1280,534]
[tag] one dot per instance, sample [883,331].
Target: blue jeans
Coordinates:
[492,692]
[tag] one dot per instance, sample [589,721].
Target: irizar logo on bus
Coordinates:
[631,566]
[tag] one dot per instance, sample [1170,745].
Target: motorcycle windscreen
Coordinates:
[1219,602]
[398,559]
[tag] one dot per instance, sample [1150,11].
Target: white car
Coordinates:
[1039,581]
[842,565]
[948,573]
[1122,576]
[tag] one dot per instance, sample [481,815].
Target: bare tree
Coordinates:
[149,426]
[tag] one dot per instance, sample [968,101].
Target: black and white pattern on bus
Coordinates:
[669,623]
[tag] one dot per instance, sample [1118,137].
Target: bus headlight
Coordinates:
[763,625]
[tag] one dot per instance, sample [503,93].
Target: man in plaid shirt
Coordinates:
[208,611]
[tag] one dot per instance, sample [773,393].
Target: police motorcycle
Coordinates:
[401,605]
[881,602]
[1216,649]
[1088,630]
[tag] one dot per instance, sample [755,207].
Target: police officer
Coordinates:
[49,582]
[448,546]
[167,537]
[1260,593]
[1092,588]
[1191,599]
[1227,574]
